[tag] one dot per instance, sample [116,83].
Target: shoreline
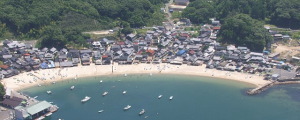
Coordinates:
[48,76]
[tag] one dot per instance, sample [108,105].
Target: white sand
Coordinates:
[48,76]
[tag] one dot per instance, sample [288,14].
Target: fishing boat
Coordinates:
[160,96]
[142,112]
[127,107]
[171,97]
[72,87]
[86,98]
[100,111]
[105,93]
[124,92]
[49,92]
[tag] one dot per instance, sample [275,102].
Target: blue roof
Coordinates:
[44,65]
[181,52]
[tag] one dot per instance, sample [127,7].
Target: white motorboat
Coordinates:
[105,93]
[86,98]
[100,111]
[142,112]
[101,81]
[127,107]
[72,87]
[160,96]
[35,97]
[125,74]
[171,97]
[124,92]
[49,92]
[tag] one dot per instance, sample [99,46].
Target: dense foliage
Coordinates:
[242,30]
[68,18]
[283,13]
[2,91]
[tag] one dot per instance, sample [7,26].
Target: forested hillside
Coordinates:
[283,13]
[243,20]
[60,22]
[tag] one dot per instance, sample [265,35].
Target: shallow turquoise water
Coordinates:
[195,98]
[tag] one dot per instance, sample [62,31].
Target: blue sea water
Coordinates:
[195,98]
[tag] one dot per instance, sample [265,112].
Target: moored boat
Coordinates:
[171,97]
[49,92]
[160,96]
[100,111]
[142,112]
[72,87]
[105,93]
[86,98]
[124,92]
[127,107]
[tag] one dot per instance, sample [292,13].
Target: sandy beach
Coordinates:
[50,76]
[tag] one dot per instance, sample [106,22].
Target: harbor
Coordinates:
[23,106]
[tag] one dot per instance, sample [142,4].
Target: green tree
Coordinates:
[242,30]
[127,30]
[199,11]
[52,36]
[2,91]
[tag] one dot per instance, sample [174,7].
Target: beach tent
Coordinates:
[51,65]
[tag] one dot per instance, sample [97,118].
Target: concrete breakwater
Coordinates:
[266,86]
[260,88]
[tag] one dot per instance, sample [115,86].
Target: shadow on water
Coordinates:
[292,90]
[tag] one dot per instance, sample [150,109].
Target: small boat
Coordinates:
[101,81]
[105,93]
[39,85]
[142,112]
[125,74]
[171,97]
[127,107]
[160,96]
[100,111]
[53,82]
[72,87]
[35,97]
[49,114]
[49,92]
[124,92]
[86,98]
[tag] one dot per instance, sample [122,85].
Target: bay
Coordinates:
[195,98]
